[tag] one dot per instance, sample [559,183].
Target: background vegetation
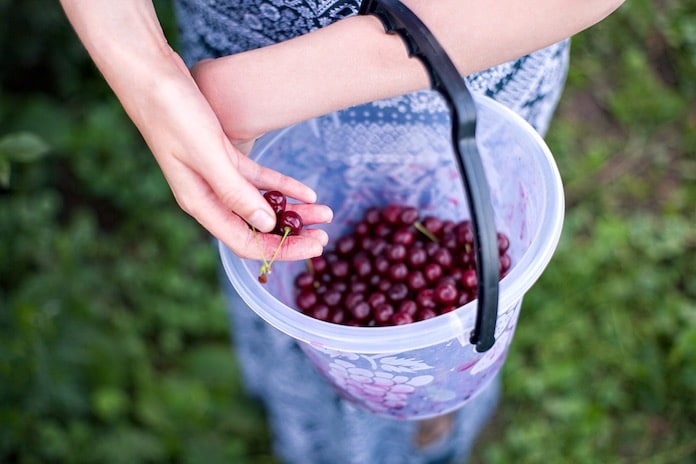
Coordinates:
[113,337]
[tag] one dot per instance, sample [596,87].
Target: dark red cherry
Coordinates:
[391,214]
[503,243]
[277,200]
[408,215]
[400,318]
[469,279]
[383,313]
[446,293]
[290,222]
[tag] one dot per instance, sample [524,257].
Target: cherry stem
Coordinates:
[266,268]
[263,257]
[425,231]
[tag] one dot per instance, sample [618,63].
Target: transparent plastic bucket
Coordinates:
[426,368]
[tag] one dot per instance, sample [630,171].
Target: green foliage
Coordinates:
[18,148]
[114,337]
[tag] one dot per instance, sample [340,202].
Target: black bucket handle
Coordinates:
[445,79]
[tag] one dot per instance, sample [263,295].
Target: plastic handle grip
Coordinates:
[445,79]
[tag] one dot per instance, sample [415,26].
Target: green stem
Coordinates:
[425,231]
[286,232]
[265,264]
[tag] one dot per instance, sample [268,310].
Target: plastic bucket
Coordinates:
[426,368]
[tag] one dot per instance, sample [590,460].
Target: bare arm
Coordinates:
[353,61]
[210,178]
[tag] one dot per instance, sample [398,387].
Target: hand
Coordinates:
[215,182]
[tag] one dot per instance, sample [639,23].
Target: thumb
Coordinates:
[236,193]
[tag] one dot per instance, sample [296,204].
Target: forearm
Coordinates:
[126,42]
[353,61]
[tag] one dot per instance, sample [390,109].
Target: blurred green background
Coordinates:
[113,336]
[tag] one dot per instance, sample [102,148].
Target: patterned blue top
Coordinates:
[530,85]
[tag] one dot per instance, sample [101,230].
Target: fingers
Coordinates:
[236,180]
[293,248]
[268,179]
[312,214]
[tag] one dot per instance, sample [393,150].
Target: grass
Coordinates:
[113,336]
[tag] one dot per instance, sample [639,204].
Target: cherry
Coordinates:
[318,264]
[353,299]
[445,293]
[432,272]
[361,311]
[306,299]
[504,264]
[362,266]
[443,257]
[383,313]
[304,280]
[409,215]
[332,297]
[391,214]
[345,245]
[396,252]
[340,268]
[425,313]
[464,232]
[397,272]
[432,224]
[381,265]
[416,280]
[416,257]
[404,236]
[289,223]
[376,299]
[397,292]
[320,311]
[372,215]
[277,200]
[469,279]
[337,317]
[408,307]
[426,298]
[503,243]
[400,318]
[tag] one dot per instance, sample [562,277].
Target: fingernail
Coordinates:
[314,196]
[262,220]
[324,239]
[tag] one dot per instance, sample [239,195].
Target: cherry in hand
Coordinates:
[287,223]
[277,201]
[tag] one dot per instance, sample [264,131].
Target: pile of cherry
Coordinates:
[394,268]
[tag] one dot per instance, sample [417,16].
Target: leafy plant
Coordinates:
[18,148]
